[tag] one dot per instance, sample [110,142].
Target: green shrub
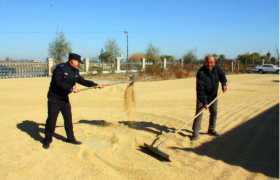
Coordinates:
[100,71]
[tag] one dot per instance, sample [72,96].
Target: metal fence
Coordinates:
[128,65]
[107,66]
[170,64]
[32,69]
[23,70]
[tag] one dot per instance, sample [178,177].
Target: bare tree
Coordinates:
[59,47]
[152,52]
[190,57]
[7,59]
[113,49]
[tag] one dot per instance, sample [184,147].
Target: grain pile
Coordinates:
[129,100]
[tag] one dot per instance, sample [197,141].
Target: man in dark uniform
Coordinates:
[207,84]
[62,83]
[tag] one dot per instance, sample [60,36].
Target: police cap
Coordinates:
[75,57]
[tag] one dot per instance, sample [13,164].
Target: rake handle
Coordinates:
[191,119]
[95,87]
[130,81]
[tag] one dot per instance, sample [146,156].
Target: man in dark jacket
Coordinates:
[207,84]
[62,83]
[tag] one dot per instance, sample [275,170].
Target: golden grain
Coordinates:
[129,100]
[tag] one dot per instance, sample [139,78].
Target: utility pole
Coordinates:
[101,59]
[126,32]
[114,59]
[253,58]
[195,52]
[277,54]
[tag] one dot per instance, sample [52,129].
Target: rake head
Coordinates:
[130,80]
[157,151]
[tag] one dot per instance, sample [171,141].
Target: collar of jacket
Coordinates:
[70,67]
[208,71]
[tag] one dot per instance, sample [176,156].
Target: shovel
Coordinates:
[130,82]
[164,155]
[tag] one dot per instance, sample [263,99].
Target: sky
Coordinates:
[228,27]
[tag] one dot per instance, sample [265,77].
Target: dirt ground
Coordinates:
[248,120]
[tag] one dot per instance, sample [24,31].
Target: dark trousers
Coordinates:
[213,109]
[53,111]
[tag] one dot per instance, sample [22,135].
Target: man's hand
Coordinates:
[76,90]
[100,86]
[205,107]
[224,88]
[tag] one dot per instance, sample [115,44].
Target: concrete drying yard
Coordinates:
[248,119]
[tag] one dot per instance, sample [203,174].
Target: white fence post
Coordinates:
[238,64]
[164,63]
[118,64]
[261,62]
[182,62]
[143,63]
[86,60]
[50,65]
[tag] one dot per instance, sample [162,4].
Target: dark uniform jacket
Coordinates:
[207,83]
[63,79]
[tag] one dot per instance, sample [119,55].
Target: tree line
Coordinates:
[59,48]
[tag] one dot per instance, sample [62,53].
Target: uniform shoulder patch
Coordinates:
[61,65]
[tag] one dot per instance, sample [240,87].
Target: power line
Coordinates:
[90,32]
[33,33]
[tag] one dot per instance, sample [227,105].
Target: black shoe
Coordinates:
[74,141]
[193,138]
[213,133]
[46,145]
